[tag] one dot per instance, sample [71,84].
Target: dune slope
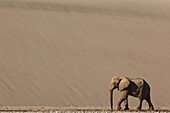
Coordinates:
[64,53]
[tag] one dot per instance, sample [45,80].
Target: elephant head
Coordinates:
[120,83]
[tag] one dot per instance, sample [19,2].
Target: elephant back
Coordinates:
[138,81]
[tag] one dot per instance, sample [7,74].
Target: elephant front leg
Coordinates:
[119,104]
[124,96]
[126,104]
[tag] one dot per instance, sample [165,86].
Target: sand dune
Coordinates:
[64,53]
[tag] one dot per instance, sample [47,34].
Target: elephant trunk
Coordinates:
[111,99]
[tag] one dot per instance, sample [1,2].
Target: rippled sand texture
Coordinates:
[64,53]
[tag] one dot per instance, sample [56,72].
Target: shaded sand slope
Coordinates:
[58,53]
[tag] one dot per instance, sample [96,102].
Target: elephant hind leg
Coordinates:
[148,99]
[140,104]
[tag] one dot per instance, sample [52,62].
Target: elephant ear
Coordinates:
[124,83]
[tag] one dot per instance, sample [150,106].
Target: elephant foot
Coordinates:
[151,108]
[138,108]
[119,108]
[126,109]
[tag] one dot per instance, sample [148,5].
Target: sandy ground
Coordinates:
[64,53]
[46,109]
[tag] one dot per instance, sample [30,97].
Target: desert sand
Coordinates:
[65,52]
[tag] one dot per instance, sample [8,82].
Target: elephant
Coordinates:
[136,87]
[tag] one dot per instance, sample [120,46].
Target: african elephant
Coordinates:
[136,87]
